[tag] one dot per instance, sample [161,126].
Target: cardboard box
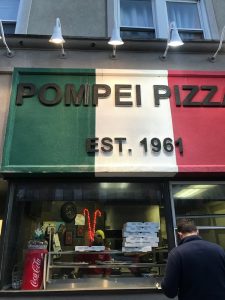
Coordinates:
[137,234]
[92,248]
[137,249]
[134,239]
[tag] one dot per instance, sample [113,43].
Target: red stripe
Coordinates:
[202,129]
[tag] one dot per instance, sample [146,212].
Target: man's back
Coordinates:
[196,269]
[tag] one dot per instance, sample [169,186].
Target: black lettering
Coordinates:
[119,94]
[207,100]
[42,94]
[188,99]
[158,95]
[107,144]
[96,92]
[138,95]
[76,97]
[177,95]
[120,141]
[91,145]
[24,90]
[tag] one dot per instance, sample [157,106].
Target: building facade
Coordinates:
[128,144]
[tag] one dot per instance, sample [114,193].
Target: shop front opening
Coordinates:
[85,236]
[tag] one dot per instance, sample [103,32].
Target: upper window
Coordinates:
[8,14]
[136,19]
[151,18]
[187,18]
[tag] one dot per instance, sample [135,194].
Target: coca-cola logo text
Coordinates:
[36,270]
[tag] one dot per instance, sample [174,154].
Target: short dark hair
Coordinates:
[186,226]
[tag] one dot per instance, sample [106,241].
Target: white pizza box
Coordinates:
[130,249]
[149,229]
[155,244]
[130,245]
[138,234]
[81,248]
[134,239]
[87,248]
[141,229]
[146,249]
[133,223]
[137,249]
[141,224]
[133,227]
[152,224]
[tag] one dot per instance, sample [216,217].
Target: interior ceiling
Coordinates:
[104,191]
[199,191]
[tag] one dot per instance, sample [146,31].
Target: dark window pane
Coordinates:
[137,34]
[9,27]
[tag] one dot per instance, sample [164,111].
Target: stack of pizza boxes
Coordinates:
[140,236]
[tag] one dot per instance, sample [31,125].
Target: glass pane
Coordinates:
[9,9]
[108,206]
[184,14]
[9,27]
[134,13]
[203,203]
[214,235]
[133,34]
[191,35]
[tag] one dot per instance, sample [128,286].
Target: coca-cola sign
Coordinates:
[36,269]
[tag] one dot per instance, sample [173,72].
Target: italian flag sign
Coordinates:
[110,122]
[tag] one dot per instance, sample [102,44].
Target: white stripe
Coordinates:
[134,123]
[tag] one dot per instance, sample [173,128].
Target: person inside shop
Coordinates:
[95,258]
[196,268]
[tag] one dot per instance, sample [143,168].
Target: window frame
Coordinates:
[202,18]
[159,8]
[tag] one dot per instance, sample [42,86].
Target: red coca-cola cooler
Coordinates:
[33,269]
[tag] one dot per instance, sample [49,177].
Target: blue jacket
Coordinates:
[195,271]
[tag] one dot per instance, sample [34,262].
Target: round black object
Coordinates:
[68,212]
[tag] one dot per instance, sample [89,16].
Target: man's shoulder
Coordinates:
[212,245]
[198,243]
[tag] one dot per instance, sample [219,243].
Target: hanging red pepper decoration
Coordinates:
[97,213]
[91,230]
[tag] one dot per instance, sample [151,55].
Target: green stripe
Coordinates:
[49,138]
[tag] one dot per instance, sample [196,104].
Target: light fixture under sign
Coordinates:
[174,40]
[57,37]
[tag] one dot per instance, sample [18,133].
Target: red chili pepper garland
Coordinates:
[91,231]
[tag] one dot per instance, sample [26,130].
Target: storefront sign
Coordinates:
[87,95]
[115,122]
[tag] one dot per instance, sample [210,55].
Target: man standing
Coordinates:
[196,268]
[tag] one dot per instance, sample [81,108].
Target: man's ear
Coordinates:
[180,234]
